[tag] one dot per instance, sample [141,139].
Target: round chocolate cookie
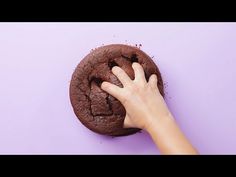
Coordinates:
[96,109]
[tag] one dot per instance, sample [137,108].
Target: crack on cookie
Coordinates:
[132,59]
[109,104]
[112,63]
[98,81]
[99,103]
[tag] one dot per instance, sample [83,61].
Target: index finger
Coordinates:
[112,89]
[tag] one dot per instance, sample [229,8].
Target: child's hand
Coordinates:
[141,99]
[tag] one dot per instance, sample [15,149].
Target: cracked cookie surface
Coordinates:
[96,109]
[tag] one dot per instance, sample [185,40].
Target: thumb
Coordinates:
[127,122]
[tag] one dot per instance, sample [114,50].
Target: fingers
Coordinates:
[125,79]
[112,90]
[121,75]
[139,72]
[153,81]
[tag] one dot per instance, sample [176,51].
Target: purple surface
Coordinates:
[197,60]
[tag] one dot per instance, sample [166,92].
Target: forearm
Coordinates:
[169,138]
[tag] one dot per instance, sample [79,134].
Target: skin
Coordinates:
[147,110]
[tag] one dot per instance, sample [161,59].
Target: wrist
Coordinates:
[155,123]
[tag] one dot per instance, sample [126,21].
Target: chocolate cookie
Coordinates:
[96,109]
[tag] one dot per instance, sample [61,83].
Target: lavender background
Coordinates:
[197,61]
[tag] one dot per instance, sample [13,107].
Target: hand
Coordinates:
[146,109]
[141,99]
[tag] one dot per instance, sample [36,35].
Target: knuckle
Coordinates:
[152,86]
[126,97]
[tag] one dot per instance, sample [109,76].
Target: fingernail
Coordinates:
[103,83]
[114,68]
[135,63]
